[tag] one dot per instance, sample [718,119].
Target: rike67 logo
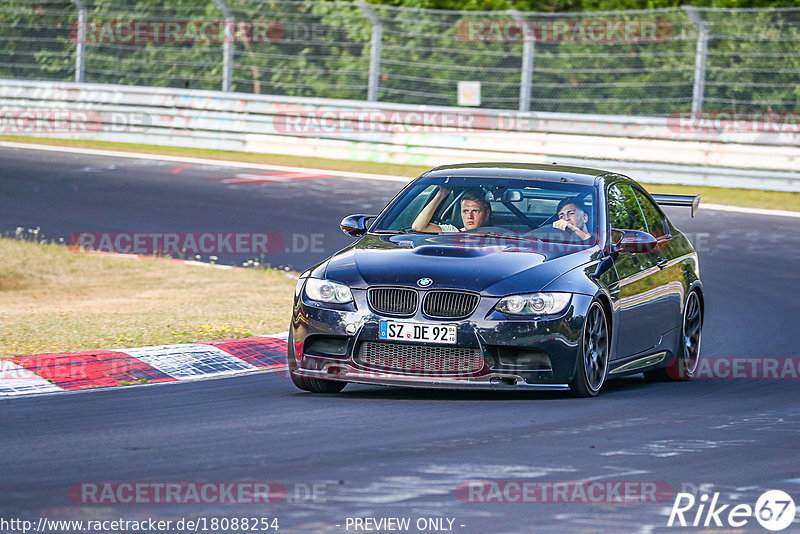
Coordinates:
[774,510]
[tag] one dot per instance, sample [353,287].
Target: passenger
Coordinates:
[475,212]
[572,218]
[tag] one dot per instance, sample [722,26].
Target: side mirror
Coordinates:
[355,225]
[633,241]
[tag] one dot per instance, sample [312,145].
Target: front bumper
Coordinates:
[326,345]
[490,381]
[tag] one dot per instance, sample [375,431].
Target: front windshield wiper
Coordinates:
[391,232]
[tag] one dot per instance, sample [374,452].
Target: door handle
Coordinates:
[661,263]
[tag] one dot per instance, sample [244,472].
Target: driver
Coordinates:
[475,212]
[572,218]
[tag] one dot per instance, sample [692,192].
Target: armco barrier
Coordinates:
[648,148]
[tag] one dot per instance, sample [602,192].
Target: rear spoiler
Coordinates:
[678,200]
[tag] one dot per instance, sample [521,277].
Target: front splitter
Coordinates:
[343,372]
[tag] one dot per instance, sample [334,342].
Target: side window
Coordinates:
[623,209]
[655,223]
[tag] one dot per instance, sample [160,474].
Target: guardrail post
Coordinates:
[80,50]
[526,74]
[227,46]
[700,59]
[374,51]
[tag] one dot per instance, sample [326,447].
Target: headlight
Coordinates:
[300,283]
[534,303]
[327,291]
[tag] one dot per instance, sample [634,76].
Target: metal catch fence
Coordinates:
[645,62]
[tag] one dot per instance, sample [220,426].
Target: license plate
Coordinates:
[427,333]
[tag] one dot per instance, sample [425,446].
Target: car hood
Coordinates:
[492,266]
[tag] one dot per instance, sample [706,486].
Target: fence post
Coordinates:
[374,51]
[227,46]
[528,42]
[80,50]
[699,60]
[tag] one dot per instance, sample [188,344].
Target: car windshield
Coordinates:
[513,208]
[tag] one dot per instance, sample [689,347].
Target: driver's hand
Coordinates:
[561,224]
[444,191]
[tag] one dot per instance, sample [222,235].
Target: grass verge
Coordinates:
[750,198]
[55,300]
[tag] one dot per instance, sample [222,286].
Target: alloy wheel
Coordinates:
[692,327]
[595,347]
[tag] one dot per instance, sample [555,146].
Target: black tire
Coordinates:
[684,366]
[299,381]
[593,364]
[314,385]
[317,385]
[291,363]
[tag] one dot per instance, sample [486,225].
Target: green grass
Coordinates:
[752,198]
[56,300]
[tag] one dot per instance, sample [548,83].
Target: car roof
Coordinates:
[523,171]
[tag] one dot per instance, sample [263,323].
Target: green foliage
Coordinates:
[33,39]
[322,49]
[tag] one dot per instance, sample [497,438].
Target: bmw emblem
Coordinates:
[424,282]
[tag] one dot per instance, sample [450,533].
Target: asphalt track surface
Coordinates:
[383,452]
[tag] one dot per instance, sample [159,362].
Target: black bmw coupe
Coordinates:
[503,276]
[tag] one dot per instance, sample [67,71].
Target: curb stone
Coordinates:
[71,371]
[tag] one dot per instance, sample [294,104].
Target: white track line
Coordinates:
[346,174]
[201,161]
[752,211]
